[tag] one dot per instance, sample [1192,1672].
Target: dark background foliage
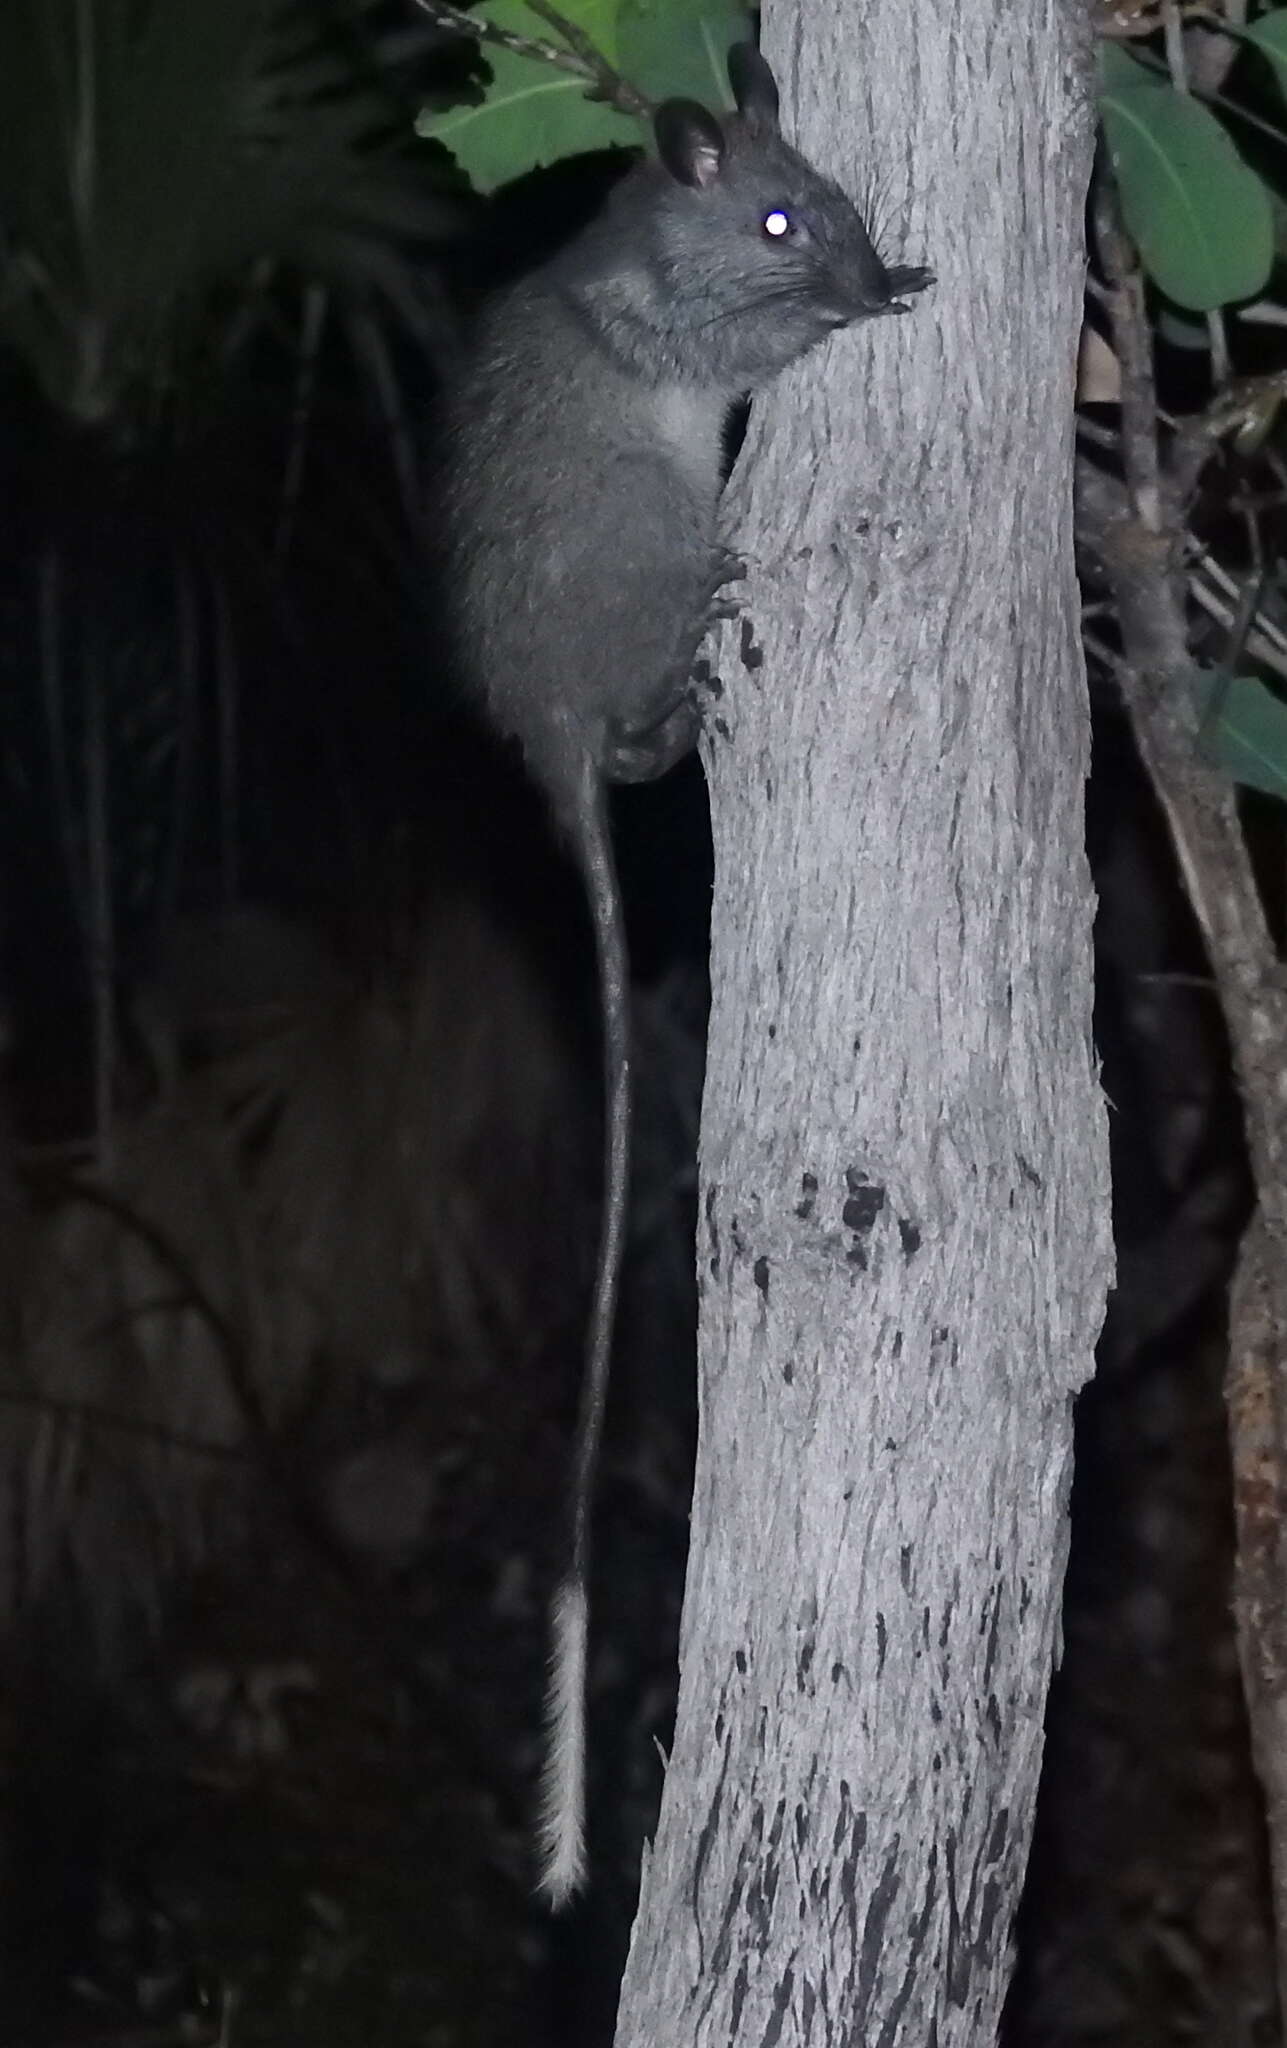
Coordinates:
[300,1159]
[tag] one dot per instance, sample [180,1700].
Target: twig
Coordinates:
[315,308]
[1099,436]
[1126,20]
[100,963]
[610,83]
[1177,63]
[1214,42]
[1234,108]
[99,1417]
[1173,37]
[1240,629]
[480,30]
[577,55]
[1140,551]
[168,1255]
[1240,404]
[370,1605]
[1101,503]
[1266,651]
[52,589]
[1204,982]
[1100,651]
[1133,346]
[1265,640]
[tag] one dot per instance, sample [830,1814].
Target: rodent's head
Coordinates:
[768,255]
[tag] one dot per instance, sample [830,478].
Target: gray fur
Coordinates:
[580,492]
[581,513]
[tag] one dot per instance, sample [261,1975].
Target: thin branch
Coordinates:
[1177,61]
[1213,43]
[100,962]
[1263,313]
[52,601]
[480,30]
[99,1417]
[610,83]
[1100,651]
[1101,504]
[1240,629]
[1173,37]
[1269,653]
[1240,406]
[169,1255]
[316,306]
[1133,347]
[1201,810]
[1128,20]
[186,717]
[228,747]
[369,342]
[1265,640]
[580,57]
[1099,436]
[1234,108]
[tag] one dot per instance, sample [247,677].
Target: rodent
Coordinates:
[579,491]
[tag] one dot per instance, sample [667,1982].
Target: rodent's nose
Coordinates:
[909,278]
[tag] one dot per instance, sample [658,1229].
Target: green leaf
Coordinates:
[1245,725]
[678,49]
[1269,34]
[533,114]
[1199,216]
[1190,334]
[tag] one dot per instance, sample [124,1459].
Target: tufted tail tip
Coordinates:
[561,1821]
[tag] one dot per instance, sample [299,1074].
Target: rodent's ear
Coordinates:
[690,142]
[754,87]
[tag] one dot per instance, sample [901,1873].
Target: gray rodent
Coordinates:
[582,474]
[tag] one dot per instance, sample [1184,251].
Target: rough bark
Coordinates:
[904,1249]
[1257,1400]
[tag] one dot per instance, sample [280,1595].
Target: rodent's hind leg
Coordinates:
[643,755]
[646,748]
[727,566]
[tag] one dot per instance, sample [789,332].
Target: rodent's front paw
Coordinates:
[727,567]
[706,687]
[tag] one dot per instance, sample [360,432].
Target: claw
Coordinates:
[728,567]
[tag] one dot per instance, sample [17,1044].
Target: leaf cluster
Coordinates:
[1199,214]
[1207,225]
[533,113]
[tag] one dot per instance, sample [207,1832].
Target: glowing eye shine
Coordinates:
[777,223]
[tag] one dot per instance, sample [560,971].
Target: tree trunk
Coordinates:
[904,1248]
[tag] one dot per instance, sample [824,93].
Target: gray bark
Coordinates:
[904,1249]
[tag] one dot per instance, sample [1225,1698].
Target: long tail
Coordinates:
[562,1809]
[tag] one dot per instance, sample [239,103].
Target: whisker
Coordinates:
[786,294]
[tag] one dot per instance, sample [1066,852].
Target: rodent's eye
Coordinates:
[777,224]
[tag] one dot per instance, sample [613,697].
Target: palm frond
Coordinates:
[152,155]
